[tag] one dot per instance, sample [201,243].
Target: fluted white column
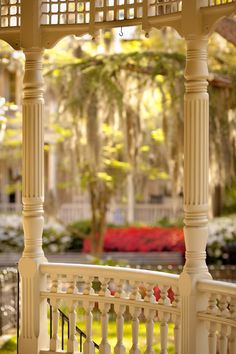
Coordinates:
[34,335]
[33,153]
[196,156]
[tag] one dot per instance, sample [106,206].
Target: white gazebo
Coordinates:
[203,311]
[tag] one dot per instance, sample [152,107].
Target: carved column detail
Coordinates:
[33,154]
[34,334]
[196,154]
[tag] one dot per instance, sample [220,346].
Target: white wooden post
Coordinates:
[196,141]
[33,320]
[34,335]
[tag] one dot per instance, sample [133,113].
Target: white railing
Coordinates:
[139,299]
[129,292]
[10,208]
[220,316]
[117,214]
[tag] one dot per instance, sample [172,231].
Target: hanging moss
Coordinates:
[110,78]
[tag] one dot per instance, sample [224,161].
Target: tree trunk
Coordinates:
[99,199]
[227,29]
[130,198]
[217,200]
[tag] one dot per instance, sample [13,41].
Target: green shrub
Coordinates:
[166,222]
[78,231]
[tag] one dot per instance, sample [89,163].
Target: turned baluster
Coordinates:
[88,289]
[119,310]
[163,318]
[150,297]
[88,307]
[223,329]
[135,313]
[104,347]
[88,344]
[72,344]
[120,289]
[176,320]
[104,291]
[149,314]
[71,280]
[232,338]
[212,310]
[135,294]
[54,341]
[212,338]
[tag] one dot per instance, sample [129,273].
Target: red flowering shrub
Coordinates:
[142,239]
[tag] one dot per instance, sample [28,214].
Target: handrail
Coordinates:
[219,287]
[110,272]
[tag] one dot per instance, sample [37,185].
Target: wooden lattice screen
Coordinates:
[59,12]
[10,13]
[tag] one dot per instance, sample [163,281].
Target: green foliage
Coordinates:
[78,231]
[108,262]
[166,222]
[230,199]
[9,347]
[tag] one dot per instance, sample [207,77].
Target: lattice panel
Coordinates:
[118,10]
[65,12]
[164,7]
[10,12]
[218,2]
[57,12]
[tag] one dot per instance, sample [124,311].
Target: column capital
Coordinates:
[196,70]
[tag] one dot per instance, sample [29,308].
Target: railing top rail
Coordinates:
[218,287]
[110,272]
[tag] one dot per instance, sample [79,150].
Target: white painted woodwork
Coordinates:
[196,156]
[33,150]
[164,318]
[232,337]
[150,297]
[135,313]
[149,314]
[104,346]
[72,344]
[54,341]
[88,347]
[212,338]
[33,335]
[219,317]
[176,320]
[218,313]
[119,347]
[203,309]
